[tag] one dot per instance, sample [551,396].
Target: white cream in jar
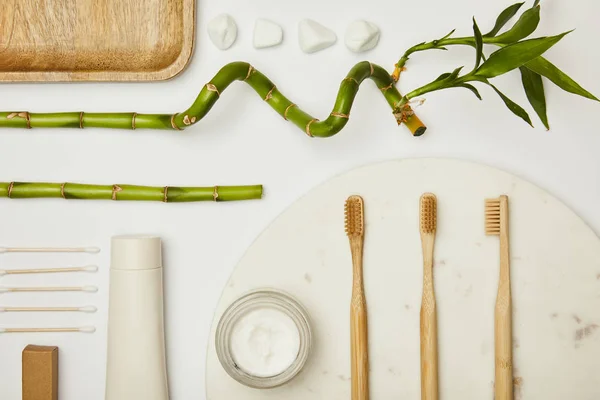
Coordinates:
[264,342]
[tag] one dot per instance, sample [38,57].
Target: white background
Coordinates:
[243,141]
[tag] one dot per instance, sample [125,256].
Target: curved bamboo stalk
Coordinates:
[167,194]
[210,93]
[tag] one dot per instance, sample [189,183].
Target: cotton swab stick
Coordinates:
[85,309]
[89,289]
[87,268]
[92,250]
[85,329]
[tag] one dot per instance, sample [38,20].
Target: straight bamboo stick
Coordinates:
[167,194]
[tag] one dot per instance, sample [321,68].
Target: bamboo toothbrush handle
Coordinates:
[360,351]
[429,350]
[503,321]
[359,331]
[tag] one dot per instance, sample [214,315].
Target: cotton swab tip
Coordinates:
[92,250]
[2,249]
[4,289]
[2,272]
[87,329]
[88,309]
[89,289]
[90,268]
[2,309]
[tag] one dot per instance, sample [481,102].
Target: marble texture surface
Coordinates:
[555,271]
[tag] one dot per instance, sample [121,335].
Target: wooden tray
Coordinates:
[95,40]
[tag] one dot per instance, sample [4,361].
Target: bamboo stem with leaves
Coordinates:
[167,194]
[516,52]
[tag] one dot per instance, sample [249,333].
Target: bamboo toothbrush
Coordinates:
[496,224]
[87,268]
[84,329]
[429,353]
[358,310]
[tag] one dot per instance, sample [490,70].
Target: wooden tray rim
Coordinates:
[178,66]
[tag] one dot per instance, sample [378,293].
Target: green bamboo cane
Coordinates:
[167,194]
[210,93]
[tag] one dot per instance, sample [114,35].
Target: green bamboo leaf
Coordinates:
[448,35]
[478,44]
[534,89]
[524,27]
[512,106]
[503,18]
[454,74]
[471,88]
[515,55]
[442,77]
[545,68]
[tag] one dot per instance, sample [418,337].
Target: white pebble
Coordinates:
[314,36]
[362,36]
[222,31]
[267,34]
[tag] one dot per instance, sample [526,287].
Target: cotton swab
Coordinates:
[91,250]
[89,289]
[85,309]
[87,268]
[85,329]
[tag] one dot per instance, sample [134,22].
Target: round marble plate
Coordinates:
[555,272]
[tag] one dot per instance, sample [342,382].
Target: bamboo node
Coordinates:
[308,126]
[250,72]
[269,95]
[10,189]
[62,190]
[212,88]
[21,114]
[351,79]
[166,194]
[386,88]
[173,124]
[116,189]
[133,120]
[188,121]
[216,193]
[340,115]
[81,120]
[372,68]
[403,114]
[287,109]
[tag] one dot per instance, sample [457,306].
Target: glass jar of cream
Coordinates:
[264,339]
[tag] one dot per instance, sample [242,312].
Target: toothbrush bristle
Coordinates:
[492,217]
[428,213]
[354,216]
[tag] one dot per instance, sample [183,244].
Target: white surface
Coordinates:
[314,36]
[555,264]
[267,33]
[243,141]
[136,363]
[265,342]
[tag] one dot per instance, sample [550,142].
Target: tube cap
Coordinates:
[135,252]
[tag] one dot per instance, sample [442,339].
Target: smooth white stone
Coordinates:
[361,36]
[314,36]
[222,31]
[267,34]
